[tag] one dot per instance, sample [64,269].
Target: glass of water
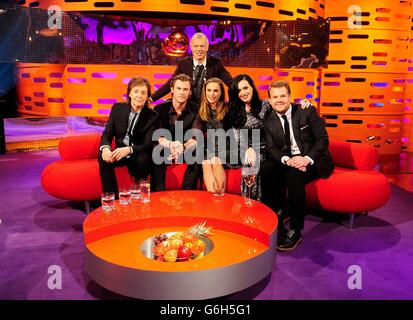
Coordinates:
[145,186]
[108,201]
[124,196]
[135,191]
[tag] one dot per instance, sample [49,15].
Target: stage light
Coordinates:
[46,32]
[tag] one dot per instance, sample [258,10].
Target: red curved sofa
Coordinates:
[354,186]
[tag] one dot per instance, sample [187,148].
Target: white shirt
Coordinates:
[196,63]
[294,146]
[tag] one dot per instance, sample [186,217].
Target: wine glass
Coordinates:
[249,179]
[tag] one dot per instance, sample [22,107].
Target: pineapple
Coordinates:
[200,231]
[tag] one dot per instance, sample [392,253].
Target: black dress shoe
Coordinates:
[291,241]
[283,217]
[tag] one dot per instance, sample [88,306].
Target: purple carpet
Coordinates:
[39,231]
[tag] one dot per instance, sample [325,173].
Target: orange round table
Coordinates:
[244,252]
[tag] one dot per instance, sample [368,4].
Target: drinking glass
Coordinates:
[124,196]
[108,201]
[135,191]
[145,187]
[249,178]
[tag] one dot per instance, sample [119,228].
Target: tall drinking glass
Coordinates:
[108,201]
[108,205]
[145,186]
[248,174]
[135,191]
[124,196]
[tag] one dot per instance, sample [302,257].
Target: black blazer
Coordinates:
[117,126]
[309,133]
[214,68]
[188,117]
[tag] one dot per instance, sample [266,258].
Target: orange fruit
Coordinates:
[198,247]
[170,255]
[176,243]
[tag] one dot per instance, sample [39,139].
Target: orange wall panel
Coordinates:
[366,92]
[407,133]
[90,90]
[40,89]
[266,9]
[303,82]
[383,132]
[368,50]
[385,14]
[407,136]
[362,93]
[366,79]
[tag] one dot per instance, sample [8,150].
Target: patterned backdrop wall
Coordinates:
[365,93]
[364,87]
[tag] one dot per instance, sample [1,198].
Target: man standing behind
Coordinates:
[132,125]
[199,67]
[298,142]
[176,115]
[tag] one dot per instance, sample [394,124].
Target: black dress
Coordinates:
[220,141]
[245,138]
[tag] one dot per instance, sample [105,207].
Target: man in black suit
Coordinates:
[177,117]
[132,125]
[199,67]
[298,143]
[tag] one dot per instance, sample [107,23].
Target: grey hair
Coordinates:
[200,35]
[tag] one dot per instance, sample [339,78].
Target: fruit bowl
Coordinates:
[174,249]
[179,246]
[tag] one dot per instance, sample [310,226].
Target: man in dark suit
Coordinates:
[177,117]
[199,67]
[298,143]
[132,125]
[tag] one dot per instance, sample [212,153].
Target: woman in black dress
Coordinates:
[247,115]
[213,112]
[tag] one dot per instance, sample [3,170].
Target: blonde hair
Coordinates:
[205,107]
[199,35]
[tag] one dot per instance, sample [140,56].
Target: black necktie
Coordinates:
[198,81]
[287,134]
[128,138]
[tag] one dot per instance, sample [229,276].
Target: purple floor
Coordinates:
[38,231]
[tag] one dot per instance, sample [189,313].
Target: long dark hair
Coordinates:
[237,113]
